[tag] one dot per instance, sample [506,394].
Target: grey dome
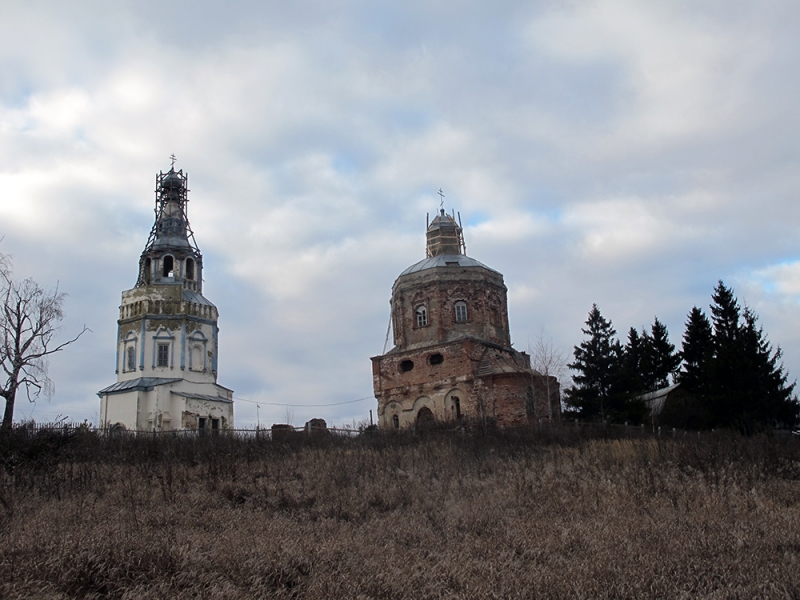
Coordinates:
[172,181]
[444,260]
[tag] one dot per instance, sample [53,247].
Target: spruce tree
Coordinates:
[662,360]
[726,378]
[766,397]
[634,358]
[745,385]
[598,393]
[697,352]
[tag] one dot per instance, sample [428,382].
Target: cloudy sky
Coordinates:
[626,153]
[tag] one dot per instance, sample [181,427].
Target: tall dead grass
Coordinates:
[398,517]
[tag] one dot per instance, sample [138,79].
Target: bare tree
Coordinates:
[550,361]
[28,325]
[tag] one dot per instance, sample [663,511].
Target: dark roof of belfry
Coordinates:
[140,383]
[444,260]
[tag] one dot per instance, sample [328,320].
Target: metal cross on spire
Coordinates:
[441,202]
[173,159]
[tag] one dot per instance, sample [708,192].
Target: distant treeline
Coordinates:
[729,373]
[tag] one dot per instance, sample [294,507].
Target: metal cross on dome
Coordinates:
[441,195]
[173,159]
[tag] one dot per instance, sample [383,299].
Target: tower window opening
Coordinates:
[422,316]
[162,360]
[435,359]
[148,270]
[189,268]
[461,312]
[169,267]
[395,421]
[131,358]
[457,407]
[406,366]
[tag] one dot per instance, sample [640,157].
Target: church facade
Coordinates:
[452,358]
[166,350]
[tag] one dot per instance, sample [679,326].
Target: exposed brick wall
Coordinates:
[438,290]
[456,369]
[490,382]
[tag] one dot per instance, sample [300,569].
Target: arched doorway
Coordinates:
[425,418]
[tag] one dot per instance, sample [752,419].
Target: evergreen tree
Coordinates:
[634,358]
[697,352]
[726,378]
[662,361]
[725,316]
[766,398]
[745,385]
[598,393]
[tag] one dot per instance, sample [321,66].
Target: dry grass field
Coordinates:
[443,516]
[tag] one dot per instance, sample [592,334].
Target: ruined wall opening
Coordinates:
[425,418]
[435,359]
[406,366]
[395,421]
[530,401]
[457,407]
[189,269]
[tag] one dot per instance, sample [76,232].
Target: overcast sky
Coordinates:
[625,153]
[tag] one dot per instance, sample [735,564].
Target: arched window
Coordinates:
[457,407]
[461,312]
[129,353]
[162,348]
[197,353]
[189,268]
[196,361]
[422,316]
[395,421]
[168,269]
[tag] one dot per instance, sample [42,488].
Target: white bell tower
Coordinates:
[166,356]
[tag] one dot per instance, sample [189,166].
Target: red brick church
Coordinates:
[452,358]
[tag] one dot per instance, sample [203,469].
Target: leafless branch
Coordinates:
[29,319]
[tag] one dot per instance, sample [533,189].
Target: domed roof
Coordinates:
[172,180]
[442,219]
[444,260]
